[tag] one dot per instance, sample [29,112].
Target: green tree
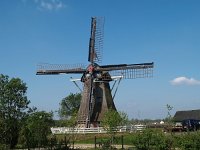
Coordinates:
[112,119]
[110,122]
[69,106]
[13,108]
[36,129]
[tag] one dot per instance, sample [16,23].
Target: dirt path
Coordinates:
[90,146]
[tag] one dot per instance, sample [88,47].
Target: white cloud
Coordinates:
[48,4]
[185,81]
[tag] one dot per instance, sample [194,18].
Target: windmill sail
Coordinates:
[50,69]
[96,40]
[129,71]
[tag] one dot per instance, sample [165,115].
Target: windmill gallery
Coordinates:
[96,94]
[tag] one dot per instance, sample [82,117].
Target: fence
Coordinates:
[67,130]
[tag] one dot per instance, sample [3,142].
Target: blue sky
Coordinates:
[166,32]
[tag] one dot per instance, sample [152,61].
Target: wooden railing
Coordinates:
[68,130]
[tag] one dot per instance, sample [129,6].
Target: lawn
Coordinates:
[90,138]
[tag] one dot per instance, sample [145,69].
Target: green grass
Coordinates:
[90,138]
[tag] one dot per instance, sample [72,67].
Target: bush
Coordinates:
[189,141]
[157,140]
[152,140]
[3,147]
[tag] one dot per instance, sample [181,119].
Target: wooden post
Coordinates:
[51,143]
[122,138]
[95,142]
[65,142]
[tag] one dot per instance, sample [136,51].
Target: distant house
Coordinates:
[190,114]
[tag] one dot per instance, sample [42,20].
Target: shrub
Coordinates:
[190,141]
[152,140]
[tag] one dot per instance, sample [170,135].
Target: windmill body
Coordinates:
[96,99]
[96,95]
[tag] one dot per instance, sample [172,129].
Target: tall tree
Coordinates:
[69,106]
[13,108]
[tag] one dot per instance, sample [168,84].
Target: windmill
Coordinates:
[96,94]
